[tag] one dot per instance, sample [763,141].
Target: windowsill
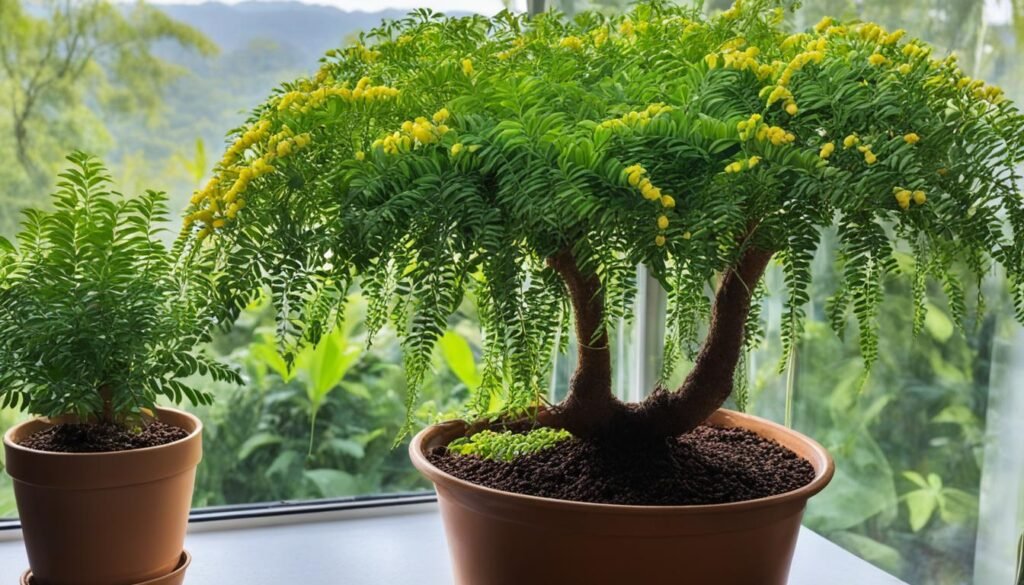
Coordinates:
[383,545]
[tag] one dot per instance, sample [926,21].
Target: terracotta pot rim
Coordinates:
[10,443]
[824,469]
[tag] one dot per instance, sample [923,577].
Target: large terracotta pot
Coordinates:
[501,538]
[115,518]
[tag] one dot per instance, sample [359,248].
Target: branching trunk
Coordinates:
[591,409]
[706,388]
[590,404]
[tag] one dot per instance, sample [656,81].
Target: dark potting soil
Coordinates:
[709,465]
[98,438]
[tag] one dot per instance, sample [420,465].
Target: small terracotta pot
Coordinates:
[116,518]
[501,538]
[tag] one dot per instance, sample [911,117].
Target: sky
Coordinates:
[487,7]
[996,11]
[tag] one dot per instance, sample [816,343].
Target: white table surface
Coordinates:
[399,545]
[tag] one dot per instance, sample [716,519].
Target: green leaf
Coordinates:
[459,358]
[333,483]
[921,504]
[257,441]
[938,324]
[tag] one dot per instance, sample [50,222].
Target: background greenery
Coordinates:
[910,446]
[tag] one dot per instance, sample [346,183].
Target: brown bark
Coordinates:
[709,384]
[590,405]
[591,409]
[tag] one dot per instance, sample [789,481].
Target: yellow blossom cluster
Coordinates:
[600,36]
[363,92]
[827,150]
[222,197]
[418,132]
[742,165]
[467,67]
[755,128]
[637,118]
[746,60]
[979,90]
[814,53]
[905,196]
[912,138]
[914,50]
[869,156]
[636,177]
[877,59]
[571,42]
[870,31]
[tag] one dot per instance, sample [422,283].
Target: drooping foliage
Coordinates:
[443,155]
[95,320]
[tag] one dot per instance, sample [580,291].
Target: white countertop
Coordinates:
[395,545]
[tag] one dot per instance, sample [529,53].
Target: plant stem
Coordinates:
[590,404]
[709,384]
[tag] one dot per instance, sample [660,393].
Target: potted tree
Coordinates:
[533,164]
[96,323]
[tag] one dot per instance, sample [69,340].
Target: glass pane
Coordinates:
[328,429]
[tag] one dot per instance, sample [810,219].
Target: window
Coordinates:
[928,483]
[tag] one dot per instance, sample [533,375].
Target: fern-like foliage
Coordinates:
[95,320]
[443,155]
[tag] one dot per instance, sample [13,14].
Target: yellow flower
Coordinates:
[753,162]
[659,240]
[869,157]
[905,69]
[877,59]
[650,192]
[360,155]
[423,133]
[903,198]
[911,138]
[712,60]
[823,24]
[920,197]
[850,141]
[662,222]
[792,109]
[441,116]
[467,66]
[456,148]
[634,179]
[572,42]
[894,37]
[734,167]
[827,150]
[687,235]
[668,202]
[627,28]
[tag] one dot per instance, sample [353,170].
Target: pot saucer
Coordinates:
[175,577]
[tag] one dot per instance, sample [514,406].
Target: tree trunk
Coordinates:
[592,410]
[590,406]
[709,384]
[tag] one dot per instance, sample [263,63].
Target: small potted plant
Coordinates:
[97,321]
[532,164]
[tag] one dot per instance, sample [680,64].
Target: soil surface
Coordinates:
[98,438]
[709,465]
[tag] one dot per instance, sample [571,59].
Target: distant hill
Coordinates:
[306,29]
[261,45]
